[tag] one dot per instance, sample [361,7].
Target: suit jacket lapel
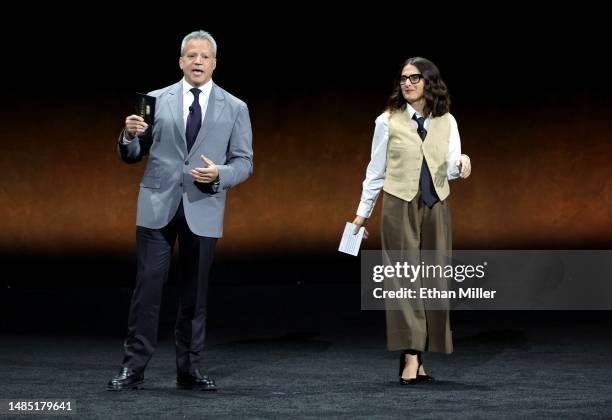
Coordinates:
[216,103]
[175,102]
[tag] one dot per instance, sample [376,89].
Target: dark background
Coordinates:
[529,90]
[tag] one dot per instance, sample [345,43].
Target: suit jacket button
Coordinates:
[181,184]
[186,162]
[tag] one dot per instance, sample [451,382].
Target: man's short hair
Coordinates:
[199,35]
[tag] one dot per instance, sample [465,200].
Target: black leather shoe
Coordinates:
[195,381]
[402,381]
[126,379]
[423,378]
[412,381]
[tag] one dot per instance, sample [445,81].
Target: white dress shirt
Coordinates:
[188,98]
[375,174]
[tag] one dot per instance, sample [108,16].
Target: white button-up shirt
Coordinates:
[188,98]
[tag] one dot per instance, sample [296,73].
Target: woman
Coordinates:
[416,150]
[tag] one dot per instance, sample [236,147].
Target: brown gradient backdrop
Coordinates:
[541,176]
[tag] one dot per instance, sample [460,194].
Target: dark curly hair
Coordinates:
[437,100]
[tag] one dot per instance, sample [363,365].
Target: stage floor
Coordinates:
[296,351]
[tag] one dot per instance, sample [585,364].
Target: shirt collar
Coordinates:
[205,88]
[411,111]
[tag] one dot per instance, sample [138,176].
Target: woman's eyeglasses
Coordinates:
[414,78]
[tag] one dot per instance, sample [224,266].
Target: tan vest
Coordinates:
[405,151]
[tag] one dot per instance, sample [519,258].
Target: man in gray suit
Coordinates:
[199,146]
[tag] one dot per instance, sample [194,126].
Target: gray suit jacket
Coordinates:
[225,138]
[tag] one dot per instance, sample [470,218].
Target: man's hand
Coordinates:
[465,166]
[360,221]
[207,174]
[134,125]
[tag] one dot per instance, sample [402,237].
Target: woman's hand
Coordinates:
[360,221]
[465,166]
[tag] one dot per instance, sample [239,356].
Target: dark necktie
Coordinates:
[194,119]
[428,192]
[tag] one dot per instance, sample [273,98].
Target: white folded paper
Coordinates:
[350,243]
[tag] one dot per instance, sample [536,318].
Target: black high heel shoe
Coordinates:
[423,378]
[411,381]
